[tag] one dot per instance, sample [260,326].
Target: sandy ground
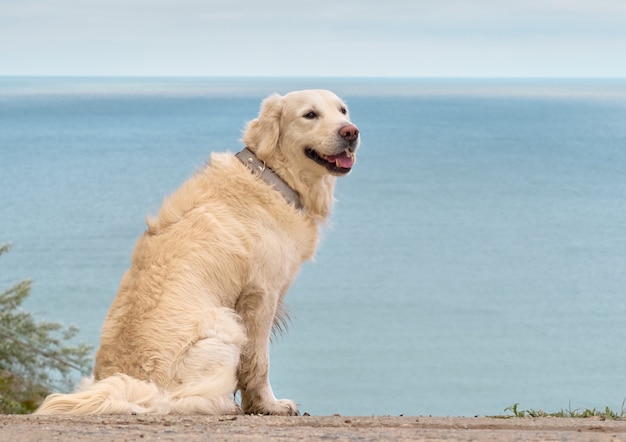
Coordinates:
[304,428]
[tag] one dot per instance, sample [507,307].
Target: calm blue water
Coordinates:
[477,255]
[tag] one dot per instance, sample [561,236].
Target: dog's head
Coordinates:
[306,131]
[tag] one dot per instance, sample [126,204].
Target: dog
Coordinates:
[191,323]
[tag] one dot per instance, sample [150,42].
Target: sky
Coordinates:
[331,38]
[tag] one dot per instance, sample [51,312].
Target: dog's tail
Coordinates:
[119,394]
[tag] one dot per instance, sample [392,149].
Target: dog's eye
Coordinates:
[311,115]
[343,110]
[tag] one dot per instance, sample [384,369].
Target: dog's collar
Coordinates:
[258,167]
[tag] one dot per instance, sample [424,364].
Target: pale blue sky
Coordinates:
[438,38]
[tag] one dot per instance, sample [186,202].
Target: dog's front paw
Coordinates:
[277,407]
[284,407]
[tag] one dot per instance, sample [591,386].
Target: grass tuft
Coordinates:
[581,413]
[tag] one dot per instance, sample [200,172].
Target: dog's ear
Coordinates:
[261,134]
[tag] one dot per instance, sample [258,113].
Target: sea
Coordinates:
[475,259]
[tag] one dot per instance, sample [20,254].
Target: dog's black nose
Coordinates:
[349,132]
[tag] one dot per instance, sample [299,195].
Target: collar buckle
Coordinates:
[258,168]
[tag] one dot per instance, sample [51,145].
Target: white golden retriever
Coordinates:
[192,320]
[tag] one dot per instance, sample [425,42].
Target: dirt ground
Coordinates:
[29,428]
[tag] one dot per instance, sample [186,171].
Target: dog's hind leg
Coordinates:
[206,377]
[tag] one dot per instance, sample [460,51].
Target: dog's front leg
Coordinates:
[258,311]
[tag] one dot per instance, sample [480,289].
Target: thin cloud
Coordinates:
[326,37]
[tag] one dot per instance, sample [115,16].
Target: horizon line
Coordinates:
[306,77]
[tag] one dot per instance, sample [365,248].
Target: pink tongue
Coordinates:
[344,160]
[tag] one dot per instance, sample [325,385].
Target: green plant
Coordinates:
[607,413]
[36,357]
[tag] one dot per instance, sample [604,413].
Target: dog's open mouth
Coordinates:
[341,163]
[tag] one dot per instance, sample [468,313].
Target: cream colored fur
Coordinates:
[193,316]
